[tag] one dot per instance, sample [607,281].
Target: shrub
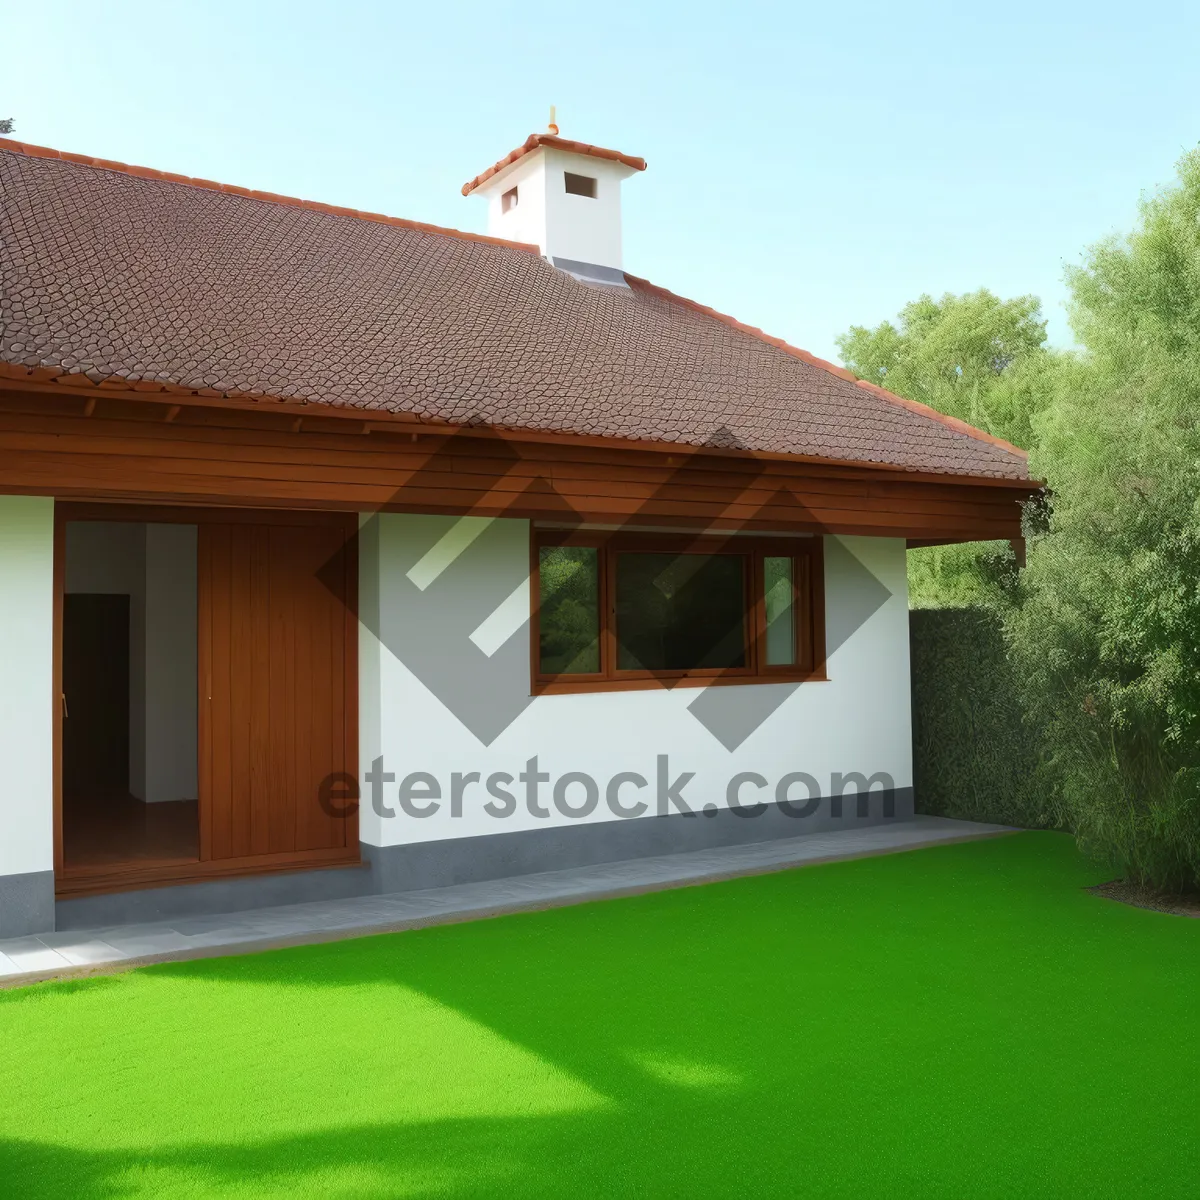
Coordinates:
[973,755]
[1105,631]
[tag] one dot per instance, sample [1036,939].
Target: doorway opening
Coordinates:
[208,664]
[130,789]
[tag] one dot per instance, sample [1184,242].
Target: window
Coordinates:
[508,200]
[580,185]
[569,588]
[625,610]
[680,612]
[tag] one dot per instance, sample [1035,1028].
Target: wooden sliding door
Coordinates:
[277,690]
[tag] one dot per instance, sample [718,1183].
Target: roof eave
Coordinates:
[14,376]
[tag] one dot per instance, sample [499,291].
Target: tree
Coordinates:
[1107,628]
[975,357]
[978,358]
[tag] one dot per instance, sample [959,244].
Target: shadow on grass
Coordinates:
[625,996]
[754,979]
[679,1150]
[871,1029]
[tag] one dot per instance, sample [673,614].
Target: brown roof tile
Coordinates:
[148,280]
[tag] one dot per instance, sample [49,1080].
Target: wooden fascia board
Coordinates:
[366,420]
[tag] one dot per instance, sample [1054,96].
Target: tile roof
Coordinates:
[537,140]
[135,278]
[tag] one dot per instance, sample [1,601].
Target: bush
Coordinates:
[1100,650]
[973,755]
[1105,629]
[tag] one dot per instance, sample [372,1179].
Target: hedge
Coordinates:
[973,756]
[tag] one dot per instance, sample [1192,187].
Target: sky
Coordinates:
[811,167]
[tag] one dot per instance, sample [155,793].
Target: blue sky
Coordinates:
[811,166]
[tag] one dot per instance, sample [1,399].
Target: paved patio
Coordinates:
[85,952]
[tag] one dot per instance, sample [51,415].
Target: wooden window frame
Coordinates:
[808,608]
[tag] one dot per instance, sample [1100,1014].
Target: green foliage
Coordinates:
[974,757]
[1103,626]
[568,610]
[1107,628]
[975,357]
[973,574]
[978,358]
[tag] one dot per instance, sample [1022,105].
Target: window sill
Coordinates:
[567,687]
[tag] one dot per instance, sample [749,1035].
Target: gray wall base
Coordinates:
[459,860]
[26,904]
[529,851]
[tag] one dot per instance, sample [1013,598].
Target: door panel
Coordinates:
[276,653]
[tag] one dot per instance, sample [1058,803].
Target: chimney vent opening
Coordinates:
[509,200]
[580,185]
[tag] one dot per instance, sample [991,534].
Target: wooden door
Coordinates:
[277,690]
[95,686]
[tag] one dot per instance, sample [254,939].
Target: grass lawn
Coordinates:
[958,1021]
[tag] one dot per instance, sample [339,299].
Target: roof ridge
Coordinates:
[106,164]
[914,406]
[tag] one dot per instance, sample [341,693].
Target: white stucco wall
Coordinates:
[583,228]
[858,721]
[26,684]
[527,221]
[586,229]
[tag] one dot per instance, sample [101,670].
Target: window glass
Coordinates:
[680,612]
[779,592]
[569,610]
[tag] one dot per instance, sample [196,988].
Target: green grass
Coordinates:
[960,1021]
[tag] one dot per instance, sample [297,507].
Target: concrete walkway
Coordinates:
[86,952]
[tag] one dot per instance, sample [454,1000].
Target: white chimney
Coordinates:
[562,196]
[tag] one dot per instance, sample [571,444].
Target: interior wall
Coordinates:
[109,557]
[155,566]
[171,751]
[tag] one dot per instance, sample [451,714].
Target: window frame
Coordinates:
[808,609]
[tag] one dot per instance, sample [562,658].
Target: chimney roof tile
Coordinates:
[536,141]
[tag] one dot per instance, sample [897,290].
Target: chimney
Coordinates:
[563,196]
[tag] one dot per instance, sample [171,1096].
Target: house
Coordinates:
[344,554]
